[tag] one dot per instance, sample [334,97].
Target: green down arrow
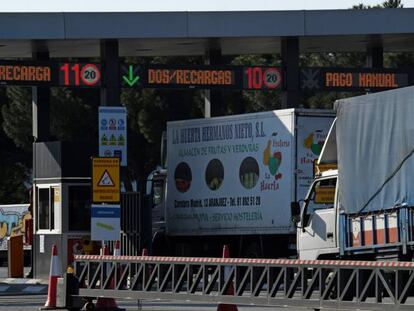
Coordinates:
[130,79]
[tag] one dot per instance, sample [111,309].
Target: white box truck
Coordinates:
[232,180]
[364,209]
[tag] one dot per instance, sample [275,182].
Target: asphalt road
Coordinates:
[26,303]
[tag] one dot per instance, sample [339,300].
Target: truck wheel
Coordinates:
[252,251]
[89,306]
[160,247]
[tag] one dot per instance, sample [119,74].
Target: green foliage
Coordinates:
[389,4]
[15,163]
[14,181]
[17,117]
[72,118]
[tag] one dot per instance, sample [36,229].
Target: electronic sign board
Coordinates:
[351,79]
[201,77]
[63,74]
[76,74]
[25,73]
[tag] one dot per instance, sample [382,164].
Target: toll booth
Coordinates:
[62,201]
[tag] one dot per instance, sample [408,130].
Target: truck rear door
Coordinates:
[317,232]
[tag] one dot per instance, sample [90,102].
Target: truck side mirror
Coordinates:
[295,212]
[295,209]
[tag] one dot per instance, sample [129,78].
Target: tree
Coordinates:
[389,4]
[73,117]
[14,164]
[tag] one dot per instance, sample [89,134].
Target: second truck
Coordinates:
[231,180]
[364,209]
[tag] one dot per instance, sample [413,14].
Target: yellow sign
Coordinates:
[325,195]
[319,168]
[105,180]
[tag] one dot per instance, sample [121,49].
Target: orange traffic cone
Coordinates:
[230,290]
[55,273]
[107,304]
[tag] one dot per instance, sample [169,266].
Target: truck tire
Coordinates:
[252,251]
[160,246]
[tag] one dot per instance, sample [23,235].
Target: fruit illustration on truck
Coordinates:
[272,159]
[233,179]
[182,177]
[314,142]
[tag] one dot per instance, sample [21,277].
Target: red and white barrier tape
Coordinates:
[287,262]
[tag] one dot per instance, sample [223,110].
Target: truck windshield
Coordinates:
[321,197]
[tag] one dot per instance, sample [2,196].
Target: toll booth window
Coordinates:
[46,208]
[79,208]
[322,197]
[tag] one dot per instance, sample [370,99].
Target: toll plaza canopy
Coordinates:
[190,33]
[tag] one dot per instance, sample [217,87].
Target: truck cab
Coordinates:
[317,226]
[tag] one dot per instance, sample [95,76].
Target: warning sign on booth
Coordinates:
[105,180]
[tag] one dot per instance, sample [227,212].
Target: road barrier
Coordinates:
[230,289]
[107,303]
[345,285]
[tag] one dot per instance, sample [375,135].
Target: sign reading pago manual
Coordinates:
[105,180]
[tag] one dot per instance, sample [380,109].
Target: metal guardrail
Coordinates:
[344,285]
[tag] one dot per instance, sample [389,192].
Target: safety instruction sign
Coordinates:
[112,133]
[105,222]
[105,180]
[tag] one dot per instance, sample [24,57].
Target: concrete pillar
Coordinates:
[213,98]
[41,106]
[290,62]
[375,57]
[110,92]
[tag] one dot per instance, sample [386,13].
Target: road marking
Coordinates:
[35,289]
[3,288]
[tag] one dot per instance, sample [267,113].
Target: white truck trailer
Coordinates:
[232,180]
[364,210]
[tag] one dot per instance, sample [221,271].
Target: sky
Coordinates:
[179,5]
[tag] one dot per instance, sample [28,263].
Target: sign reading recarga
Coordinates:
[50,74]
[25,73]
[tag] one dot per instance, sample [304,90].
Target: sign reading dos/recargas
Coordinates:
[201,77]
[105,180]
